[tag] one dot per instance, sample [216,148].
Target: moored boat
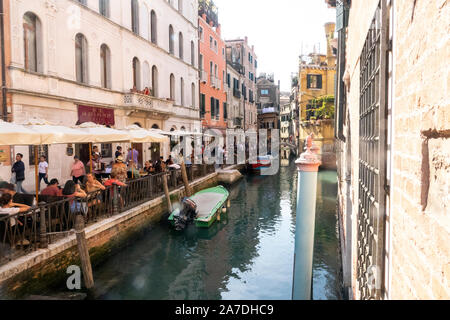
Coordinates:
[203,208]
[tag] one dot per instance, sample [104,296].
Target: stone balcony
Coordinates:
[141,102]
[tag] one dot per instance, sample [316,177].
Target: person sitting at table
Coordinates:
[8,207]
[21,198]
[148,167]
[73,190]
[119,169]
[169,161]
[97,165]
[132,171]
[114,181]
[93,184]
[52,189]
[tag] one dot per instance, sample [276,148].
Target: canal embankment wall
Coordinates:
[48,267]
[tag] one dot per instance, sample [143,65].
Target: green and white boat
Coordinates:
[209,205]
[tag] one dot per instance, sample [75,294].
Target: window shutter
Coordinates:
[308,80]
[225,111]
[319,81]
[212,107]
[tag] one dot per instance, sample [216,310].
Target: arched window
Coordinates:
[180,45]
[136,74]
[146,75]
[144,27]
[105,66]
[81,58]
[154,27]
[182,91]
[135,16]
[172,87]
[192,53]
[155,126]
[155,81]
[103,6]
[32,42]
[171,40]
[193,95]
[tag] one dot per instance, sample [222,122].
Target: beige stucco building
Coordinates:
[90,60]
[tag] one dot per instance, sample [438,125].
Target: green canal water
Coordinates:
[247,255]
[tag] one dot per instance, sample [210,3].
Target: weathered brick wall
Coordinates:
[421,151]
[419,247]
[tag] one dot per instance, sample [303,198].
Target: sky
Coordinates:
[277,30]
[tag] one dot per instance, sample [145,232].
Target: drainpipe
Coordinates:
[308,166]
[2,44]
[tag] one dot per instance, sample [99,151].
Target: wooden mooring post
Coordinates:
[187,187]
[84,252]
[166,192]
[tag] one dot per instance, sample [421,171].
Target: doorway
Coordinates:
[138,147]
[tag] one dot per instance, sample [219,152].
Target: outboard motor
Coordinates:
[187,214]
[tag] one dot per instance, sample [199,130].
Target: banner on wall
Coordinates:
[102,116]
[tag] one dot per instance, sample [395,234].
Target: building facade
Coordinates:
[268,102]
[286,134]
[243,58]
[212,65]
[393,148]
[115,63]
[235,98]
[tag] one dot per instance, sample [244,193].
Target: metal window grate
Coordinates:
[372,159]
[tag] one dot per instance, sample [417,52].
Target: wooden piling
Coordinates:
[187,187]
[43,241]
[84,252]
[166,192]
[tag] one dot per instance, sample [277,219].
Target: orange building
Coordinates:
[212,65]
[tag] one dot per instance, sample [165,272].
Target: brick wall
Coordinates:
[419,246]
[421,152]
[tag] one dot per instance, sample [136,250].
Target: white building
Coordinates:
[235,99]
[76,61]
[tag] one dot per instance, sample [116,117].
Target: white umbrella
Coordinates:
[102,134]
[12,134]
[140,135]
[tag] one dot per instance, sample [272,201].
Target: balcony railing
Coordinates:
[146,102]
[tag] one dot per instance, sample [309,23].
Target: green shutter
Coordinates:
[319,81]
[212,107]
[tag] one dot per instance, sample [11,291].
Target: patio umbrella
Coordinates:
[102,134]
[12,134]
[140,135]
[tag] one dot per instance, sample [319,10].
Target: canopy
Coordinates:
[56,134]
[101,134]
[15,134]
[139,135]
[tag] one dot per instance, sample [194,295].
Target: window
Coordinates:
[256,64]
[225,111]
[136,74]
[213,107]
[217,109]
[228,80]
[182,91]
[192,53]
[264,92]
[172,87]
[32,43]
[105,65]
[104,7]
[180,6]
[193,95]
[171,40]
[202,106]
[155,81]
[144,22]
[81,63]
[135,16]
[180,45]
[42,151]
[154,28]
[200,33]
[314,81]
[210,42]
[106,149]
[215,45]
[200,62]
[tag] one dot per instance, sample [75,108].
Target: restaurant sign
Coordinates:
[100,116]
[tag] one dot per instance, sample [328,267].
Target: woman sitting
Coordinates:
[8,207]
[148,167]
[93,185]
[73,190]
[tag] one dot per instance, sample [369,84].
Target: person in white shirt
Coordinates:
[43,171]
[7,207]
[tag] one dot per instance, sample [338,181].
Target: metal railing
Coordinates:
[54,217]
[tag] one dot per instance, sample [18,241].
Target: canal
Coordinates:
[247,255]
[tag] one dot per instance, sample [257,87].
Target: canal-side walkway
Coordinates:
[104,233]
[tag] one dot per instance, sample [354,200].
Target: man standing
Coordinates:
[133,155]
[19,169]
[119,152]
